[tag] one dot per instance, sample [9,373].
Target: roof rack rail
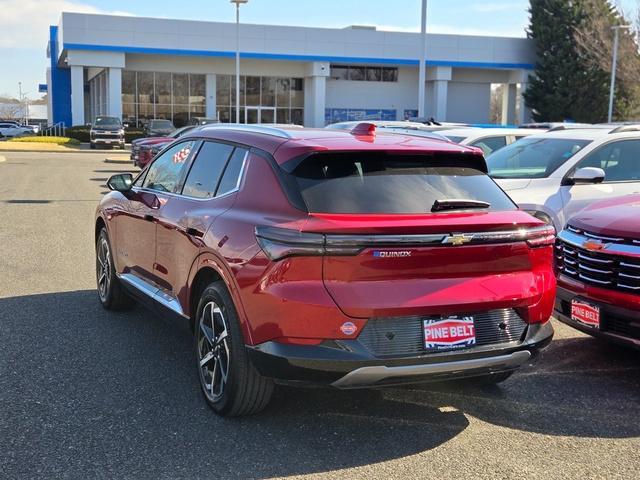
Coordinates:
[626,128]
[273,130]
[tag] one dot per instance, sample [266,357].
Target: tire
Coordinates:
[110,291]
[236,389]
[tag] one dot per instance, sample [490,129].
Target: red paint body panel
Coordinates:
[312,297]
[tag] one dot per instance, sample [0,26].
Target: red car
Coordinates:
[144,149]
[598,261]
[343,258]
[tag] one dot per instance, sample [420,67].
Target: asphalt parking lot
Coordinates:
[89,394]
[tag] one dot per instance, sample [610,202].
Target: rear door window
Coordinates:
[231,178]
[206,170]
[378,182]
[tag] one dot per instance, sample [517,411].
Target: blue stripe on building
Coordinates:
[60,88]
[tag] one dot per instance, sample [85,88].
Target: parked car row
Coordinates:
[370,255]
[11,129]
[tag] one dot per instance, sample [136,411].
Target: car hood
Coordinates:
[508,184]
[614,217]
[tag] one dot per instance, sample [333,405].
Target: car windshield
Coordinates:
[108,122]
[378,182]
[161,124]
[455,138]
[180,131]
[533,157]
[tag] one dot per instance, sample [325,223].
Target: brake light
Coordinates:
[278,243]
[541,236]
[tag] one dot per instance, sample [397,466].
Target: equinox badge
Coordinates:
[391,253]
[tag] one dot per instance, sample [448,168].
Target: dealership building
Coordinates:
[141,68]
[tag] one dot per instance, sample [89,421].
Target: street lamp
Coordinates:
[422,73]
[238,3]
[614,64]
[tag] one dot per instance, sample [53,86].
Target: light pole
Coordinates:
[614,64]
[238,3]
[422,68]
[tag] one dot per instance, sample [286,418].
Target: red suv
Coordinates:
[598,258]
[350,259]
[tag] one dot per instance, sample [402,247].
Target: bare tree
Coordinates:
[11,111]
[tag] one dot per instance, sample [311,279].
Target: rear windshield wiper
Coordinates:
[457,204]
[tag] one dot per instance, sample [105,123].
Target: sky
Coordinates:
[24,23]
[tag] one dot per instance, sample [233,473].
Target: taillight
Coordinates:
[541,236]
[278,243]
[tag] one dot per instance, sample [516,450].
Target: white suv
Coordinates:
[554,175]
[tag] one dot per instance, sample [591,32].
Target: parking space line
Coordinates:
[2,159]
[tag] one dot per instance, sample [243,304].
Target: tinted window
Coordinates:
[533,157]
[490,144]
[375,182]
[164,172]
[231,177]
[107,121]
[619,160]
[206,170]
[455,138]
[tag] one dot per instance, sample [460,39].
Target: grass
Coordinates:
[55,140]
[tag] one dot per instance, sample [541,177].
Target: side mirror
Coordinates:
[121,182]
[584,176]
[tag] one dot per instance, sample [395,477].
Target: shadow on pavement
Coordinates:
[86,393]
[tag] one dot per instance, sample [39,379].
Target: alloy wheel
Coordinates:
[103,269]
[213,351]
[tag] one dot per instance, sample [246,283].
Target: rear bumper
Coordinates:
[618,324]
[347,364]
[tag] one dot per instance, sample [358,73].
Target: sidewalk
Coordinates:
[52,147]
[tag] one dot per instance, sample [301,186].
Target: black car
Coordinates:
[158,128]
[107,131]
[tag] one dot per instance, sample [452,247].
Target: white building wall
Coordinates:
[400,96]
[468,102]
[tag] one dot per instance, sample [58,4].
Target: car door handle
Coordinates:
[194,232]
[150,218]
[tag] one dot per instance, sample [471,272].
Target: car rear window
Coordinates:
[533,157]
[378,182]
[161,124]
[455,138]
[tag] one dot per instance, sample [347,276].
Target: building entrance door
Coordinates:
[260,115]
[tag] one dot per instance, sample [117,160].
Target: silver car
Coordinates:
[556,174]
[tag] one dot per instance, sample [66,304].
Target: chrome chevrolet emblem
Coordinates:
[593,245]
[457,239]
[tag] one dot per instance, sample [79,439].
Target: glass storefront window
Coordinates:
[180,88]
[297,92]
[145,87]
[283,115]
[356,73]
[163,89]
[283,92]
[197,90]
[259,96]
[223,90]
[268,98]
[253,90]
[128,87]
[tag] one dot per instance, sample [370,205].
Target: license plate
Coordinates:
[449,333]
[585,313]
